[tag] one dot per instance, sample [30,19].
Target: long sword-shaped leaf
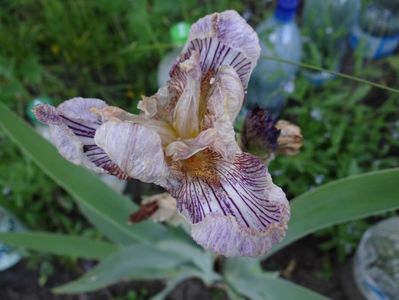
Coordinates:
[342,201]
[131,262]
[268,288]
[60,244]
[105,204]
[245,277]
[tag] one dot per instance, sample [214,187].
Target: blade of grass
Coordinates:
[339,74]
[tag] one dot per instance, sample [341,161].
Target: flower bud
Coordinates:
[259,134]
[290,140]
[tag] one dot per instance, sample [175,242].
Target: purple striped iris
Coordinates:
[184,141]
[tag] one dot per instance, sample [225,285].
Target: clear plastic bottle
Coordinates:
[8,223]
[272,81]
[377,31]
[178,36]
[376,263]
[325,27]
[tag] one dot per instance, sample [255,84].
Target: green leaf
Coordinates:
[59,244]
[104,204]
[277,288]
[341,201]
[114,233]
[132,262]
[359,94]
[200,258]
[173,282]
[245,277]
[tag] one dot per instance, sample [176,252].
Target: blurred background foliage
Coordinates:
[111,49]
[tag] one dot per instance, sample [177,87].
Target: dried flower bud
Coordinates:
[290,140]
[160,208]
[259,133]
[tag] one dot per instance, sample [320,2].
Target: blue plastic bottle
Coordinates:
[377,32]
[272,81]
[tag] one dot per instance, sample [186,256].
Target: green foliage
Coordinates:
[105,49]
[348,129]
[341,201]
[245,277]
[24,185]
[60,244]
[342,136]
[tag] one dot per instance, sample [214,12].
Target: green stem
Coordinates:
[339,74]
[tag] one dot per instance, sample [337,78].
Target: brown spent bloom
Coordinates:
[290,140]
[160,208]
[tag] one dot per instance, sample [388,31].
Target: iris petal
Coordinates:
[225,39]
[180,150]
[137,150]
[235,208]
[221,39]
[186,113]
[223,105]
[73,126]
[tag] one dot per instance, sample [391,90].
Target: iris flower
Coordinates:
[184,141]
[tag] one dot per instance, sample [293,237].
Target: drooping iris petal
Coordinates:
[136,149]
[235,208]
[225,39]
[73,126]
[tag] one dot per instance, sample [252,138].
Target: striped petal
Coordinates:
[220,39]
[234,207]
[73,126]
[137,150]
[225,39]
[223,105]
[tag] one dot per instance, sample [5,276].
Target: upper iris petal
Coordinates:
[225,39]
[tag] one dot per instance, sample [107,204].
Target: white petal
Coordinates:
[136,149]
